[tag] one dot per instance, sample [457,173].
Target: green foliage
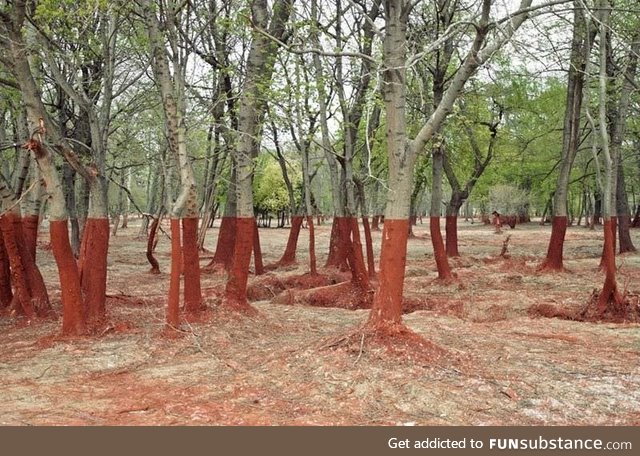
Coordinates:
[70,20]
[507,199]
[269,188]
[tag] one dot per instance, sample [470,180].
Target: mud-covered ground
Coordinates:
[287,366]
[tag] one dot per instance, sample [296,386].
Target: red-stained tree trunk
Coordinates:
[339,243]
[356,259]
[251,108]
[191,265]
[169,78]
[73,319]
[613,226]
[313,269]
[439,253]
[257,250]
[371,261]
[609,293]
[18,272]
[72,315]
[235,293]
[31,297]
[289,255]
[451,233]
[6,293]
[35,281]
[553,260]
[387,303]
[93,267]
[30,224]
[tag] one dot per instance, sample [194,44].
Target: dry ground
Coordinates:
[502,367]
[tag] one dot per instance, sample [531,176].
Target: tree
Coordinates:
[387,304]
[459,192]
[16,56]
[580,50]
[168,54]
[268,31]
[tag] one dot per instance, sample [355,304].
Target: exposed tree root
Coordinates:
[345,295]
[238,306]
[392,339]
[446,281]
[440,306]
[550,311]
[504,253]
[624,308]
[271,285]
[214,267]
[548,268]
[281,265]
[621,308]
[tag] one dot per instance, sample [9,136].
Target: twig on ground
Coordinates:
[361,348]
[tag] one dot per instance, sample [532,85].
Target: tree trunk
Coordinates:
[93,254]
[387,301]
[259,70]
[6,293]
[152,241]
[442,263]
[16,261]
[618,132]
[227,231]
[451,224]
[371,261]
[609,297]
[289,255]
[257,251]
[339,243]
[72,315]
[387,304]
[184,243]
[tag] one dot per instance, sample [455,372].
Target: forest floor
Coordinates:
[284,367]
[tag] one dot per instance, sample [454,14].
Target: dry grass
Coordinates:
[280,367]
